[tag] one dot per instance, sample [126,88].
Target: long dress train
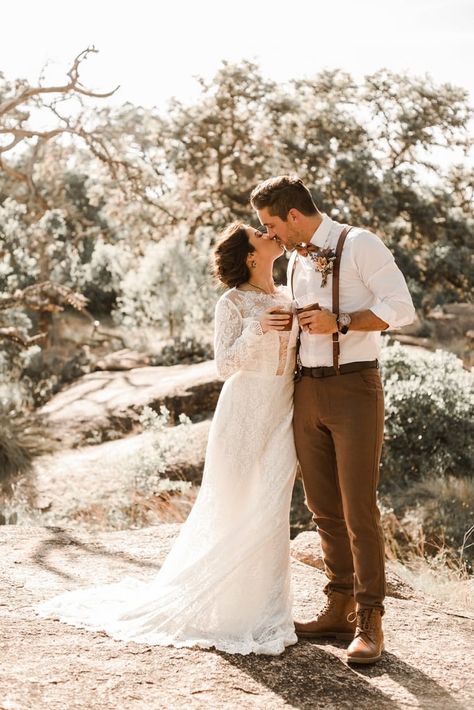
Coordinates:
[226,581]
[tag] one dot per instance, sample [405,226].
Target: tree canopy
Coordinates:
[81,203]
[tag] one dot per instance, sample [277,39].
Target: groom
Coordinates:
[339,409]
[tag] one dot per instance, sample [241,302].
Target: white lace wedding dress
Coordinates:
[226,581]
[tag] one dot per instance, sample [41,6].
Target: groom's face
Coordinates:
[286,230]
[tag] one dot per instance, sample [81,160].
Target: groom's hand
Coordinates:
[320,322]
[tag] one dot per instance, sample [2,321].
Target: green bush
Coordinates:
[169,287]
[183,351]
[151,467]
[21,439]
[15,455]
[429,423]
[47,374]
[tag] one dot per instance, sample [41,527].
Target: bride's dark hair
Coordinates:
[230,255]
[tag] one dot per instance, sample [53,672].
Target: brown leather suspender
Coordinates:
[335,298]
[335,295]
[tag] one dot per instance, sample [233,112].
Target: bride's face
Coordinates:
[266,247]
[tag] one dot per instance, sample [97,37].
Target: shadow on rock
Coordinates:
[309,677]
[60,538]
[429,694]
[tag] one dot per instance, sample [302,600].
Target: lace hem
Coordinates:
[272,646]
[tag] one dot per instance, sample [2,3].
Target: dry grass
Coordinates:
[432,540]
[430,516]
[138,510]
[439,577]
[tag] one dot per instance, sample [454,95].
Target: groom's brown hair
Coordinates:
[281,194]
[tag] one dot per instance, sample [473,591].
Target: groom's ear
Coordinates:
[293,215]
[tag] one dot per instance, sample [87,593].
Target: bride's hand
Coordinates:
[273,321]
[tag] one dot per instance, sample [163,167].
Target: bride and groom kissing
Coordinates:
[226,582]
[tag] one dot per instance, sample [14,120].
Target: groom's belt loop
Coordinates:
[343,369]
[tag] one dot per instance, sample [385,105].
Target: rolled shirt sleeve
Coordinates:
[381,275]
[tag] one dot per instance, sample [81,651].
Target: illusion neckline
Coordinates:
[260,293]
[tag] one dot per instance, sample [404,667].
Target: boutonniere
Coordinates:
[323,259]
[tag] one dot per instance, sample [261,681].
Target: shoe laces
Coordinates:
[365,622]
[327,605]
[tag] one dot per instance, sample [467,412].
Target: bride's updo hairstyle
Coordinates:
[230,255]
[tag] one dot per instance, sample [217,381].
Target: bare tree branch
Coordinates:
[47,296]
[21,133]
[73,86]
[14,335]
[14,174]
[13,118]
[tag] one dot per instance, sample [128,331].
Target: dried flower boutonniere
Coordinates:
[322,258]
[323,261]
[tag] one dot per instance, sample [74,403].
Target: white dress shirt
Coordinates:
[369,279]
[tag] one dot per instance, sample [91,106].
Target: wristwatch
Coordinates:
[343,322]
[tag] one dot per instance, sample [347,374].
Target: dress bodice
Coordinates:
[239,342]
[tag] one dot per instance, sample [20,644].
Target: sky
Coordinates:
[155,49]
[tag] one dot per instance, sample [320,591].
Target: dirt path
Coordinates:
[46,664]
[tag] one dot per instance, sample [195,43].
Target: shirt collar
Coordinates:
[322,232]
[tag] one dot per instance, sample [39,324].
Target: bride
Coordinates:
[226,581]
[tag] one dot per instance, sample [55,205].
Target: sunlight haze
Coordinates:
[155,49]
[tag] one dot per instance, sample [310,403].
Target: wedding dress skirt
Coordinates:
[226,581]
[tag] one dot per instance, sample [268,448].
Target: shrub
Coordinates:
[103,274]
[184,350]
[15,454]
[21,436]
[429,425]
[151,467]
[21,439]
[170,287]
[46,374]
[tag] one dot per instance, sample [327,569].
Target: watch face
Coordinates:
[344,319]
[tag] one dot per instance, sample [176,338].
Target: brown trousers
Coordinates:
[338,426]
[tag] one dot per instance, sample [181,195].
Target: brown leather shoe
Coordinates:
[331,622]
[367,645]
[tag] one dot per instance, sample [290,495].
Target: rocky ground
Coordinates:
[100,440]
[106,405]
[47,664]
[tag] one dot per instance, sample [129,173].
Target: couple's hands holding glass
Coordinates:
[277,317]
[318,321]
[313,319]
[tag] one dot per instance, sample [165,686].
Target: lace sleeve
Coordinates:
[234,345]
